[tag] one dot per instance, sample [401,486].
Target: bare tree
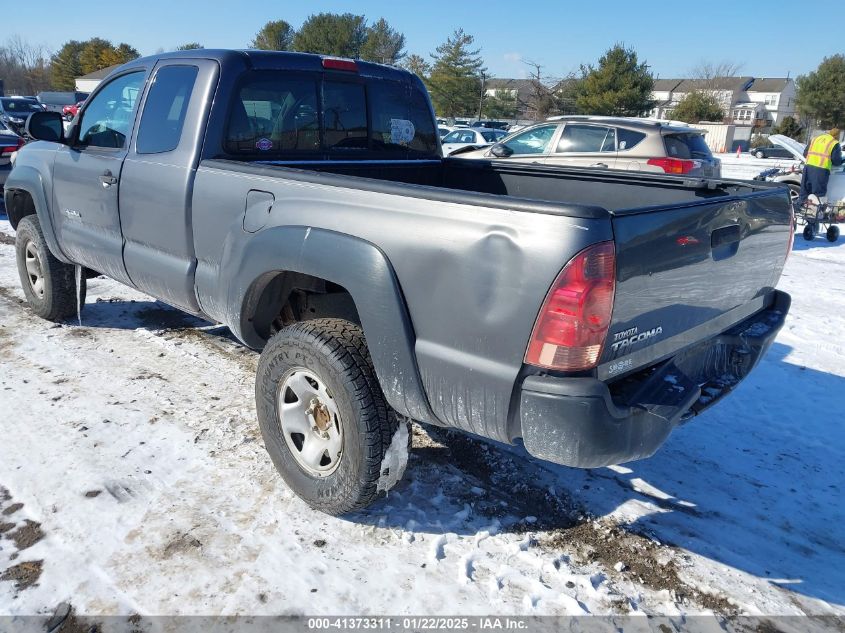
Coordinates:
[540,102]
[708,73]
[24,67]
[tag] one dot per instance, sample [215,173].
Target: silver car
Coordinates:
[608,143]
[470,136]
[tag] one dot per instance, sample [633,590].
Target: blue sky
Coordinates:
[671,36]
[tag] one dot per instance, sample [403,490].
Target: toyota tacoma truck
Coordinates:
[304,202]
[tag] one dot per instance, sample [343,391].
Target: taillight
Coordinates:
[335,63]
[673,165]
[572,325]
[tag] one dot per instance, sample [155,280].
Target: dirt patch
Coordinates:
[12,509]
[27,535]
[181,543]
[635,556]
[25,574]
[5,527]
[7,239]
[8,295]
[161,317]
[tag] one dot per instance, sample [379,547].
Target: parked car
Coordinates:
[471,137]
[9,144]
[56,101]
[772,151]
[608,143]
[69,111]
[15,110]
[585,312]
[497,125]
[443,130]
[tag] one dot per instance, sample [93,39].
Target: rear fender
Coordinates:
[357,265]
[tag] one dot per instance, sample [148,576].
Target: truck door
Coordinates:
[86,174]
[156,184]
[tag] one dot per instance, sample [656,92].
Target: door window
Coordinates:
[586,138]
[107,120]
[453,137]
[164,109]
[533,141]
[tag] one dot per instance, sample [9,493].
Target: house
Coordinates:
[87,83]
[746,101]
[524,91]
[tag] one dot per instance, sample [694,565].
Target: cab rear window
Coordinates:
[281,115]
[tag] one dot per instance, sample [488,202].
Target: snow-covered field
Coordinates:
[133,480]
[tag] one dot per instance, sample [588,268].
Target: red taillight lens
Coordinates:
[673,165]
[572,325]
[333,63]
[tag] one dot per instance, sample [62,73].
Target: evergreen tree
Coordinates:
[455,79]
[190,46]
[65,66]
[619,86]
[383,44]
[341,35]
[276,35]
[821,93]
[789,127]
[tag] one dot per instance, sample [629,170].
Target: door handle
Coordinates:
[108,179]
[599,165]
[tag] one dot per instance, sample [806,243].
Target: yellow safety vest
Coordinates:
[820,150]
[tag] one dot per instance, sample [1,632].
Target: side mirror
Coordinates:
[45,126]
[501,151]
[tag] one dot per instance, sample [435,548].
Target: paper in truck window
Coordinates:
[401,131]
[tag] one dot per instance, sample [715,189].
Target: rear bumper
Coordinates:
[587,423]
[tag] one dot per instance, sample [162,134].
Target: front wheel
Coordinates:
[809,232]
[324,418]
[49,285]
[832,233]
[760,155]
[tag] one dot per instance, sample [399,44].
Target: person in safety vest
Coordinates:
[822,154]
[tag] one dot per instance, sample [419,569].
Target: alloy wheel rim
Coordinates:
[310,422]
[34,270]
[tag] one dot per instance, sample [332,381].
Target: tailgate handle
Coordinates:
[725,235]
[724,242]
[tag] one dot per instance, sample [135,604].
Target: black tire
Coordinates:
[335,351]
[57,297]
[832,233]
[809,232]
[759,154]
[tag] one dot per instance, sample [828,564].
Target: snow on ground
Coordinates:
[746,167]
[133,480]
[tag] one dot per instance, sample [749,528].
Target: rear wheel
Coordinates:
[832,233]
[48,284]
[324,419]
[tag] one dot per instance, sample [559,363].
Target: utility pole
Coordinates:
[481,98]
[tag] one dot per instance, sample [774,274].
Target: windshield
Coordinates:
[491,136]
[19,105]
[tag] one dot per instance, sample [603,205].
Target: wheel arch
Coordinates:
[25,194]
[274,262]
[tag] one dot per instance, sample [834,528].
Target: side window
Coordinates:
[344,116]
[164,109]
[533,141]
[273,113]
[586,138]
[453,137]
[628,139]
[107,120]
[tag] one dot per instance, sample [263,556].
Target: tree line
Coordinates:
[619,84]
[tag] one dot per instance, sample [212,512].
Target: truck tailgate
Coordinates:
[688,273]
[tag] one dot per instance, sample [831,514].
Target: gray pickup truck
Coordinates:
[304,202]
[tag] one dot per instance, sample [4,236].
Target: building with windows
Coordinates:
[746,101]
